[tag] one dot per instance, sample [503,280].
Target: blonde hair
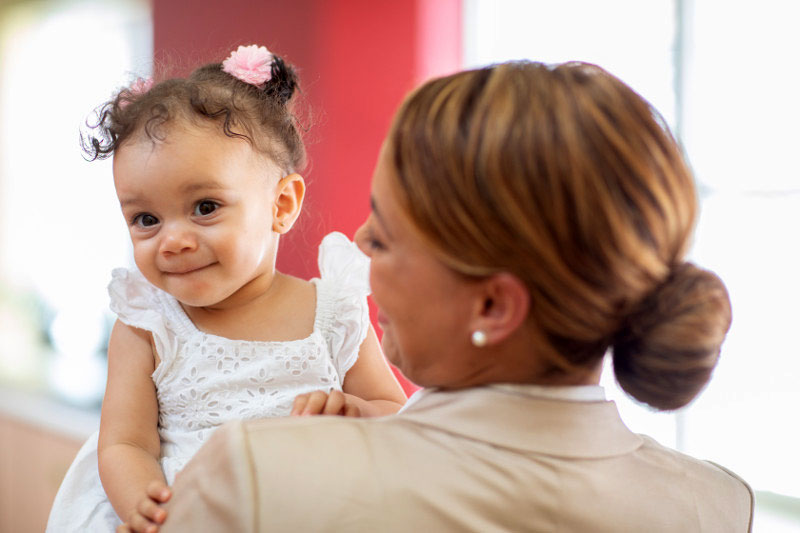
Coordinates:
[565,177]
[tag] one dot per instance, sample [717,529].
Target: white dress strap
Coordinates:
[140,304]
[342,309]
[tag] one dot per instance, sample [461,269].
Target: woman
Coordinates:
[527,219]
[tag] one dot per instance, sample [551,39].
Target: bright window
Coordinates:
[60,228]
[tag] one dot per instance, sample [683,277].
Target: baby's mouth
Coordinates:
[183,270]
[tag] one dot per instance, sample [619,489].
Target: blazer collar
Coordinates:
[574,429]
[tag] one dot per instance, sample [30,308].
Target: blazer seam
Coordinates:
[250,460]
[617,453]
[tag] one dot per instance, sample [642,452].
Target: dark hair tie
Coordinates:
[282,83]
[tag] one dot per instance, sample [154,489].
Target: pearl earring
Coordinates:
[479,338]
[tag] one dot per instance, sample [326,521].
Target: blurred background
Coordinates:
[721,72]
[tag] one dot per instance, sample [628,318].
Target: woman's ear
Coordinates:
[289,194]
[502,308]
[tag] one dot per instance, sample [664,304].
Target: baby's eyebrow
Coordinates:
[202,186]
[206,185]
[128,201]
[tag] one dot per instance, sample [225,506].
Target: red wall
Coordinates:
[356,59]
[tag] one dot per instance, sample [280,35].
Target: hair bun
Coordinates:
[669,346]
[282,83]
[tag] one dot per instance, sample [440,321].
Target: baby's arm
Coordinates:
[370,388]
[129,446]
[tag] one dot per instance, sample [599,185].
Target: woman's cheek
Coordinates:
[375,283]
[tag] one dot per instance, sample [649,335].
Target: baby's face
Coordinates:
[199,207]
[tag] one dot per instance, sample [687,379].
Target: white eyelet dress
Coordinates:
[205,380]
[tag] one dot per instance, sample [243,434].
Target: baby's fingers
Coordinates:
[149,514]
[139,524]
[158,491]
[152,512]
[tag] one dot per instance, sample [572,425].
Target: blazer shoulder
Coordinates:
[721,493]
[747,496]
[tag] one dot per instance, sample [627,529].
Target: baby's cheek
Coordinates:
[243,254]
[146,265]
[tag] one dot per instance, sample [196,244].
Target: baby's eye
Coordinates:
[144,220]
[205,208]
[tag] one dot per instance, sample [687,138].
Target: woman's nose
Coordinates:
[360,238]
[176,239]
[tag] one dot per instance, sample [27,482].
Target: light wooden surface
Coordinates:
[39,438]
[32,463]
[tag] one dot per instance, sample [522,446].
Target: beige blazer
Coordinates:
[480,460]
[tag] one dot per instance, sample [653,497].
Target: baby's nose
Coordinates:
[176,239]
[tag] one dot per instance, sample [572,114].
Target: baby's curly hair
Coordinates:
[261,116]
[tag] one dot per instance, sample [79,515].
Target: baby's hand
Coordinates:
[323,403]
[148,515]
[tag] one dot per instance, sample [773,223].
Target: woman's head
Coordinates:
[259,113]
[568,180]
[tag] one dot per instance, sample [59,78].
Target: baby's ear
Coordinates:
[289,194]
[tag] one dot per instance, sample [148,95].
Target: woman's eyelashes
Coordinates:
[372,241]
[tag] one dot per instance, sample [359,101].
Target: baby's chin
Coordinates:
[194,295]
[202,301]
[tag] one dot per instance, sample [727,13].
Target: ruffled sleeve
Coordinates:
[139,304]
[342,309]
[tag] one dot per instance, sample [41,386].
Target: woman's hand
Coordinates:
[148,515]
[334,402]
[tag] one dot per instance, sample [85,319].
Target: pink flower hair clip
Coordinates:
[141,85]
[136,89]
[250,64]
